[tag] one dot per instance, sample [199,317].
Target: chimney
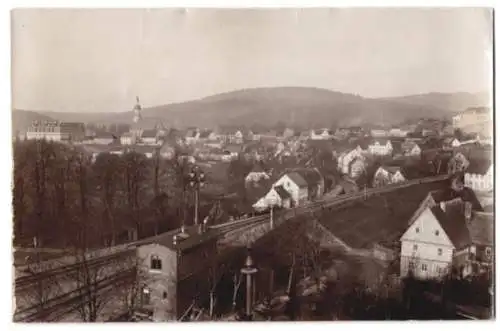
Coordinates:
[442,204]
[468,211]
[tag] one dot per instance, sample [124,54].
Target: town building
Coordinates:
[386,175]
[479,175]
[474,120]
[176,268]
[127,139]
[411,148]
[104,138]
[457,163]
[153,128]
[56,131]
[301,184]
[398,132]
[256,175]
[438,236]
[380,147]
[321,134]
[192,135]
[346,159]
[379,133]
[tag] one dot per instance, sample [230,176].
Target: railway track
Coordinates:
[231,226]
[71,300]
[75,297]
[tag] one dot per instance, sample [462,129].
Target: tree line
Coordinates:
[61,196]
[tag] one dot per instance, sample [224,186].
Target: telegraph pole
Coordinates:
[249,270]
[196,179]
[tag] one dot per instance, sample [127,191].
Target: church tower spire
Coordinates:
[137,110]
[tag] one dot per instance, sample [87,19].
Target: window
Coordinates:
[164,295]
[417,230]
[415,247]
[287,184]
[440,251]
[436,232]
[146,296]
[424,267]
[155,262]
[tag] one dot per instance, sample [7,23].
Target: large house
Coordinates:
[380,147]
[386,175]
[345,160]
[474,120]
[479,175]
[441,235]
[56,131]
[301,184]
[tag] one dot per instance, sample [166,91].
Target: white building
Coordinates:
[386,175]
[380,147]
[479,176]
[127,139]
[56,131]
[346,158]
[321,134]
[301,184]
[439,236]
[411,148]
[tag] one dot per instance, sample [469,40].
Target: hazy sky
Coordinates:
[99,60]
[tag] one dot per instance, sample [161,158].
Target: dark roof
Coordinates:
[379,217]
[478,166]
[233,148]
[466,194]
[305,177]
[481,228]
[205,133]
[453,222]
[191,238]
[104,135]
[298,179]
[392,169]
[149,133]
[282,192]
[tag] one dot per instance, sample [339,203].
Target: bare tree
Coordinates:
[43,287]
[135,167]
[107,172]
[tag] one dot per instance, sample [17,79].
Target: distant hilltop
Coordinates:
[292,106]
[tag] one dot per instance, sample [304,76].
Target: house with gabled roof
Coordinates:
[302,184]
[150,137]
[438,235]
[411,148]
[386,175]
[192,135]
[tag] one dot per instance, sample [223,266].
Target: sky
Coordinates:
[99,60]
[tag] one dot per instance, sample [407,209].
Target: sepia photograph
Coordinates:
[252,164]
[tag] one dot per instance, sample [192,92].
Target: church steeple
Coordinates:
[137,110]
